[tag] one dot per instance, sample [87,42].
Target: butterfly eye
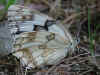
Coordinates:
[71,44]
[78,40]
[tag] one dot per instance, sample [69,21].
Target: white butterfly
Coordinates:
[38,39]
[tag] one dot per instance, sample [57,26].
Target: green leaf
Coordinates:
[6,5]
[97,26]
[89,33]
[10,2]
[3,2]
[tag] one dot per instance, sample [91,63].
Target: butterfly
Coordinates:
[38,38]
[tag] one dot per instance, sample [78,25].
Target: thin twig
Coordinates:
[86,71]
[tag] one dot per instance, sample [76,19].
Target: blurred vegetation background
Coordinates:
[80,17]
